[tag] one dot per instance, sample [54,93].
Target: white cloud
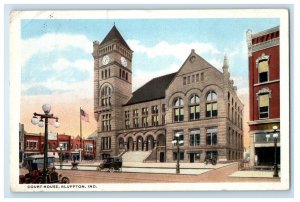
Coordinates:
[64,64]
[178,50]
[65,90]
[53,42]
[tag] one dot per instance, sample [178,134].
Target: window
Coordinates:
[127,119]
[135,118]
[184,80]
[89,147]
[154,109]
[105,143]
[178,110]
[163,108]
[202,76]
[163,119]
[31,144]
[144,111]
[181,156]
[64,145]
[194,107]
[264,106]
[211,136]
[106,122]
[106,96]
[211,104]
[195,138]
[145,121]
[154,119]
[262,63]
[197,77]
[145,117]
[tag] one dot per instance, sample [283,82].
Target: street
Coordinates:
[215,175]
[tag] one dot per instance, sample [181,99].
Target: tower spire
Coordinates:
[225,64]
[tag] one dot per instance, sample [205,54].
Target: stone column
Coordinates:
[252,150]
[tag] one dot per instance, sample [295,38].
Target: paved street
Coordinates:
[221,174]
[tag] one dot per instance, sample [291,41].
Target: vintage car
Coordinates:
[210,159]
[111,164]
[34,164]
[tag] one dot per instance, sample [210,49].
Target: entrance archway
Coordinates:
[130,145]
[139,143]
[121,143]
[150,143]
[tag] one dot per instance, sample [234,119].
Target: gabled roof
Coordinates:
[153,90]
[114,34]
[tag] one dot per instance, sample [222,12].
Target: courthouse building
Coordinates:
[198,101]
[264,105]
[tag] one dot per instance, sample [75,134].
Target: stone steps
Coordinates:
[135,156]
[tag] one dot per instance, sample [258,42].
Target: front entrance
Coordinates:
[265,156]
[161,157]
[192,157]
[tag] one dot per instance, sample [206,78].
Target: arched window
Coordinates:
[106,96]
[123,75]
[194,107]
[211,104]
[178,109]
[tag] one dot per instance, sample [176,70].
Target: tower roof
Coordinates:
[114,34]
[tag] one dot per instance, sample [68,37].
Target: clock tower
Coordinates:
[112,88]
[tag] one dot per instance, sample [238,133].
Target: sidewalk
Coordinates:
[253,174]
[137,167]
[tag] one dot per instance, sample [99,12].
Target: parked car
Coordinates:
[34,164]
[111,164]
[210,159]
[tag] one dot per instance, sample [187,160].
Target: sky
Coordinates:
[57,65]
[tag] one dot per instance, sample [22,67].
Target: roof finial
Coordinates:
[114,23]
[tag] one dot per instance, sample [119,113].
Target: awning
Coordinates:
[55,155]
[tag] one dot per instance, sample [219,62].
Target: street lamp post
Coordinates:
[34,120]
[177,142]
[61,159]
[275,136]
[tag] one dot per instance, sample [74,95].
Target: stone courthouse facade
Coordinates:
[198,101]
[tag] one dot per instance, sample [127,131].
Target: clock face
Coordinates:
[105,60]
[123,61]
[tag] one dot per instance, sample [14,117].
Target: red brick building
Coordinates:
[264,94]
[59,144]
